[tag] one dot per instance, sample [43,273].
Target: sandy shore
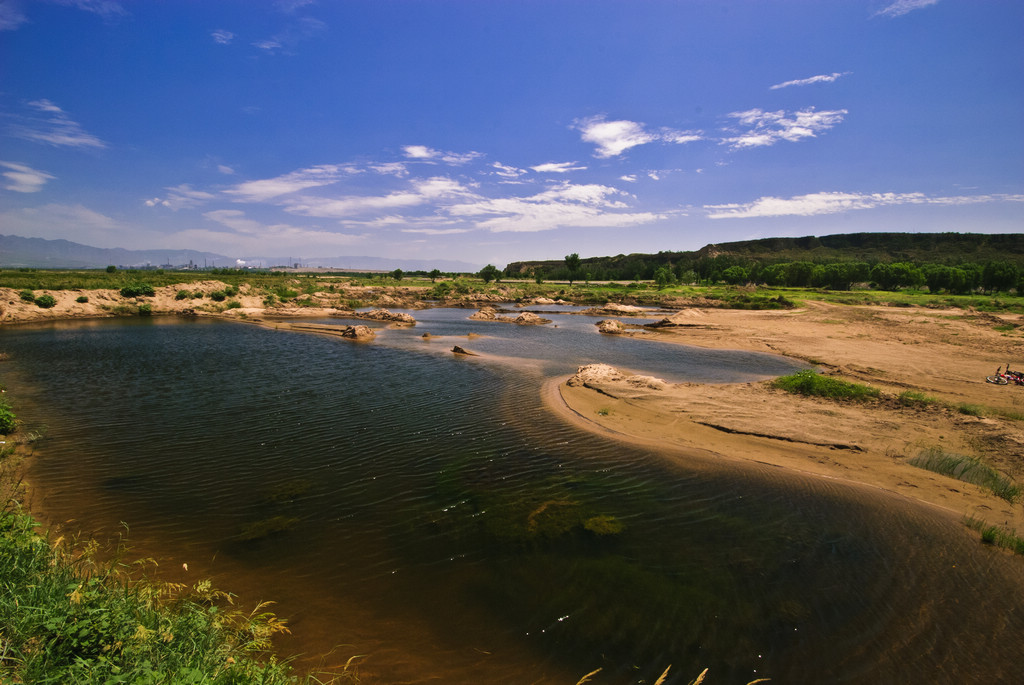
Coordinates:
[943,354]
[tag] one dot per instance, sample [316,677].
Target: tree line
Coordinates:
[959,279]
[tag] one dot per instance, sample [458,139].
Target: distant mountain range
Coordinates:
[18,252]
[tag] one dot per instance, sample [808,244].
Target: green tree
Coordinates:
[111,269]
[735,275]
[398,274]
[996,276]
[434,275]
[663,277]
[490,273]
[572,263]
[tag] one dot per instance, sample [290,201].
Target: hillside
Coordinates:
[920,248]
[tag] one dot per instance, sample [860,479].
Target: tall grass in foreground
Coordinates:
[967,469]
[67,617]
[810,383]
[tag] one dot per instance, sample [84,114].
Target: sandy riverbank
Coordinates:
[943,354]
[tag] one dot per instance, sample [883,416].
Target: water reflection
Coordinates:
[428,512]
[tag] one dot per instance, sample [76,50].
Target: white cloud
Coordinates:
[562,206]
[302,179]
[183,196]
[837,202]
[768,128]
[391,169]
[420,192]
[557,168]
[821,78]
[225,169]
[24,179]
[55,128]
[424,153]
[507,172]
[223,37]
[251,236]
[629,178]
[901,7]
[612,138]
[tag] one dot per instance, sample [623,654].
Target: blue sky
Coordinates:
[490,131]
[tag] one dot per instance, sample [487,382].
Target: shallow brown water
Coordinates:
[427,512]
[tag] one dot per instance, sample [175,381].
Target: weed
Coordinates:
[27,296]
[913,398]
[137,289]
[82,299]
[233,304]
[46,301]
[809,383]
[971,410]
[967,469]
[8,421]
[996,536]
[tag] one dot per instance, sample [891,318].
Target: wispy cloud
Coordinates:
[426,154]
[108,9]
[814,204]
[22,178]
[563,206]
[295,32]
[557,168]
[11,16]
[768,128]
[223,37]
[302,179]
[181,197]
[510,173]
[821,78]
[613,138]
[419,192]
[901,7]
[49,124]
[247,235]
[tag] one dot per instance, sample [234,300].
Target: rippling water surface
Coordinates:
[426,511]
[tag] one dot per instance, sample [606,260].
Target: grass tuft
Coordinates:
[967,469]
[996,536]
[913,398]
[810,383]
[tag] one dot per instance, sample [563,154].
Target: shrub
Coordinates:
[27,296]
[145,309]
[809,383]
[111,269]
[137,290]
[218,296]
[46,301]
[183,295]
[234,304]
[231,291]
[81,299]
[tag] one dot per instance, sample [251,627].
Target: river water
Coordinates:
[424,510]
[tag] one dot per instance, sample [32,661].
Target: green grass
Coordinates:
[967,469]
[913,398]
[70,617]
[813,384]
[996,536]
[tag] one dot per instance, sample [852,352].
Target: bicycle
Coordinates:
[1004,378]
